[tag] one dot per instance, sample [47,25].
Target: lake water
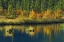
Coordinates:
[32,33]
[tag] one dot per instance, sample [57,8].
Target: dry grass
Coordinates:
[22,16]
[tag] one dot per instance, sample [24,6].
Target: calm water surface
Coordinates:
[32,33]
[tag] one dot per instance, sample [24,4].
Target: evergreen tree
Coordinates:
[27,3]
[38,6]
[10,9]
[58,6]
[17,4]
[43,5]
[63,5]
[32,5]
[0,4]
[20,4]
[23,4]
[50,4]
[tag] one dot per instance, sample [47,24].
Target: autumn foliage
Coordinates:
[48,14]
[58,13]
[33,15]
[17,12]
[3,12]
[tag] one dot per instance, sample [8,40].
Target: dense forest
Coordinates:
[33,9]
[36,5]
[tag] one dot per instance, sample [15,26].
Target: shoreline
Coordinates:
[33,22]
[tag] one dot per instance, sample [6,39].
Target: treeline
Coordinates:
[36,5]
[32,8]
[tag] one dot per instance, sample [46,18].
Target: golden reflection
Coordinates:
[38,29]
[50,28]
[22,29]
[17,27]
[1,28]
[30,31]
[8,31]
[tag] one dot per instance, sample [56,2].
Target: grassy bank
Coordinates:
[30,21]
[21,17]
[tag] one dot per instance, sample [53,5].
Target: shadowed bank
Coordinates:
[33,22]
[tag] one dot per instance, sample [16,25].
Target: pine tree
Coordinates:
[27,3]
[17,4]
[32,5]
[43,5]
[63,5]
[20,4]
[0,3]
[10,9]
[50,4]
[58,6]
[38,6]
[5,2]
[0,6]
[23,4]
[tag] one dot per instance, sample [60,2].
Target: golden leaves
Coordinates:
[32,15]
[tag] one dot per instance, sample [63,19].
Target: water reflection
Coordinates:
[32,33]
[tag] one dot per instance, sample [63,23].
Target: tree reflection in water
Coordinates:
[48,31]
